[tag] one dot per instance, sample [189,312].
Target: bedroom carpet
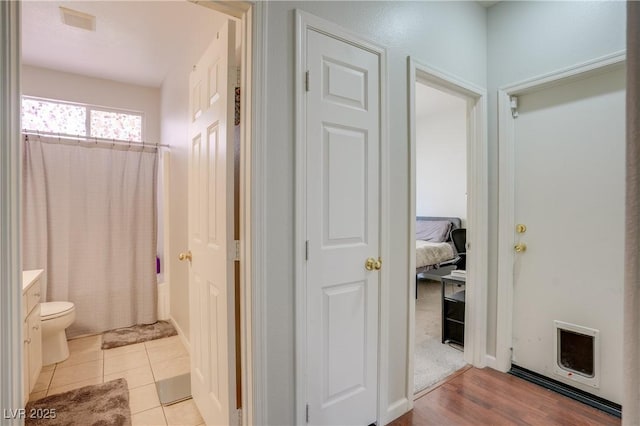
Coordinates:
[137,333]
[433,361]
[106,404]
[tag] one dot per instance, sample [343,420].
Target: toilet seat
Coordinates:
[51,310]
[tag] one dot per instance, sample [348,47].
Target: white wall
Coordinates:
[175,121]
[441,154]
[448,35]
[47,83]
[527,39]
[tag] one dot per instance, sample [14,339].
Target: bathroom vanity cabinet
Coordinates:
[32,330]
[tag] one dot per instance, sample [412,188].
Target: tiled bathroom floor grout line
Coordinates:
[54,369]
[146,350]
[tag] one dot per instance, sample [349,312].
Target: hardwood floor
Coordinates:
[488,397]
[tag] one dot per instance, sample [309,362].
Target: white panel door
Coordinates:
[342,188]
[211,279]
[569,192]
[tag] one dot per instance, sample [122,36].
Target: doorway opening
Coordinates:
[463,309]
[172,108]
[441,221]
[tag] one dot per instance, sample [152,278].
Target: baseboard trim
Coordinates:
[491,362]
[568,391]
[396,409]
[183,337]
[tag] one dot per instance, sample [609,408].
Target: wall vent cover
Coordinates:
[77,19]
[577,353]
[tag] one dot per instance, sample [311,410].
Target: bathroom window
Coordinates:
[115,125]
[54,117]
[65,118]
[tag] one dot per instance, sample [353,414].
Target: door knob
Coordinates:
[521,229]
[185,256]
[370,264]
[520,247]
[378,264]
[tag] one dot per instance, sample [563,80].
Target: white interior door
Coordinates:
[211,278]
[342,203]
[569,192]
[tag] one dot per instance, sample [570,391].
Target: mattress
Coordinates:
[429,253]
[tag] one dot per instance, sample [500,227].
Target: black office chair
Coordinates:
[459,238]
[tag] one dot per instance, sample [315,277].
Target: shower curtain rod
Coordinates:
[93,139]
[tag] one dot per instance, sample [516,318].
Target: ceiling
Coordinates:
[135,42]
[488,3]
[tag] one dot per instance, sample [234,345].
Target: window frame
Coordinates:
[87,119]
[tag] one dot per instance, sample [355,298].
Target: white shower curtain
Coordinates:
[89,220]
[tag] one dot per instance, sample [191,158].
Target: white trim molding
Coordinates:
[305,21]
[11,386]
[506,184]
[475,346]
[253,188]
[490,362]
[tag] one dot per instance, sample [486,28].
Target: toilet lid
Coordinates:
[54,309]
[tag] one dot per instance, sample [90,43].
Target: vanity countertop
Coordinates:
[30,277]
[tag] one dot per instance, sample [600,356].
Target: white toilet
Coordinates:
[55,317]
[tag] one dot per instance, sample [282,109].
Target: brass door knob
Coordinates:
[520,247]
[378,264]
[370,264]
[521,229]
[185,256]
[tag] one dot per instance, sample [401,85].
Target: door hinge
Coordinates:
[306,81]
[236,255]
[306,250]
[513,102]
[307,415]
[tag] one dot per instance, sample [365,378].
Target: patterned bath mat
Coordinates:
[106,404]
[136,334]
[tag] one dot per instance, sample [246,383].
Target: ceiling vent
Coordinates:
[77,19]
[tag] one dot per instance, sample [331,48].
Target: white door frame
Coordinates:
[252,215]
[305,21]
[506,184]
[10,207]
[252,247]
[475,340]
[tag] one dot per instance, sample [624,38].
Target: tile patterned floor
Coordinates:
[141,365]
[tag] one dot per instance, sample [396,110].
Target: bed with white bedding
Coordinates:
[433,241]
[429,253]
